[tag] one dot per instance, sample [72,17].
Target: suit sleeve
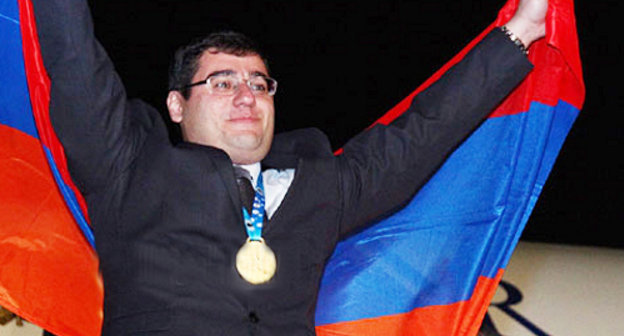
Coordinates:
[382,168]
[89,109]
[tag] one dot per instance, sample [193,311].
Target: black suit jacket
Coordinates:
[168,221]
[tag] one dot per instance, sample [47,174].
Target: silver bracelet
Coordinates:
[515,39]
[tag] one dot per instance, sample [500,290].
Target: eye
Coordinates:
[258,84]
[222,84]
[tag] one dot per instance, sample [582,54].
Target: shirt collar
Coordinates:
[254,171]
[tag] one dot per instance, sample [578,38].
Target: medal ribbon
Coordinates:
[253,221]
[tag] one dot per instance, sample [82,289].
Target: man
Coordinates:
[178,253]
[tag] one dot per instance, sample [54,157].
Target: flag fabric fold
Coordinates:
[433,267]
[430,269]
[49,272]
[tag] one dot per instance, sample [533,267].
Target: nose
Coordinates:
[244,96]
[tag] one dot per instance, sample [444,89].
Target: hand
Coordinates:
[529,21]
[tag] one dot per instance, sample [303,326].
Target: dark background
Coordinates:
[342,64]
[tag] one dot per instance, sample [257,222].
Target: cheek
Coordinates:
[209,113]
[202,121]
[269,112]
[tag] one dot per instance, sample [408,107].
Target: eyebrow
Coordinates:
[221,73]
[258,73]
[232,72]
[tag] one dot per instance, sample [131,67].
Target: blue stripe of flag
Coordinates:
[15,108]
[463,224]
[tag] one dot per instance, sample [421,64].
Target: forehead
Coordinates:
[211,62]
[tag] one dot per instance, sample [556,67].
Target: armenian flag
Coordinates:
[48,269]
[433,267]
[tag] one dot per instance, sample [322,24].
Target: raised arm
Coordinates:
[383,168]
[89,109]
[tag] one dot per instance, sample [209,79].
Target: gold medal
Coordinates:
[255,262]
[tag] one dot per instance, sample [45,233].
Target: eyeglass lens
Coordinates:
[228,85]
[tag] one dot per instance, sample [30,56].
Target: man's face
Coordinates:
[240,124]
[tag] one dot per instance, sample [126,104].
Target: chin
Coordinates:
[247,154]
[248,147]
[246,158]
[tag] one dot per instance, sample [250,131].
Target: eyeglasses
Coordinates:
[228,84]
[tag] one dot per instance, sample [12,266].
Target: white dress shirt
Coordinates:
[276,184]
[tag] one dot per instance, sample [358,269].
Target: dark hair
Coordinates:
[186,60]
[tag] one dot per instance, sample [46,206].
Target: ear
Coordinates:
[175,105]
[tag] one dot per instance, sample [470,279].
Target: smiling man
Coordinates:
[228,232]
[229,105]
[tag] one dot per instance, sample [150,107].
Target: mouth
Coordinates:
[244,119]
[244,123]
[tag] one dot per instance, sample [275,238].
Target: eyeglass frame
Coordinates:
[232,74]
